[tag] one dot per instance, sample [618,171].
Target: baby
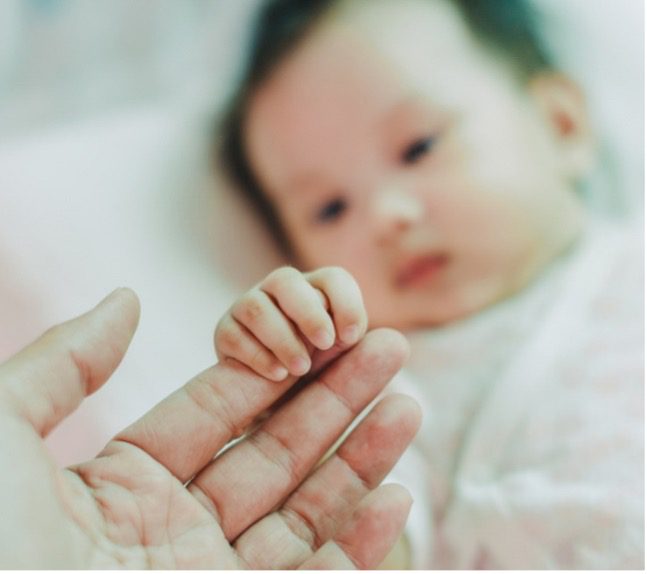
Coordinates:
[421,162]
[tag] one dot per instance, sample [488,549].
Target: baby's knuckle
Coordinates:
[282,275]
[253,312]
[228,340]
[250,308]
[337,274]
[313,322]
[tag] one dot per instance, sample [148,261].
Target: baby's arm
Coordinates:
[274,327]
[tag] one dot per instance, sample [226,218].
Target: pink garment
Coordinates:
[532,447]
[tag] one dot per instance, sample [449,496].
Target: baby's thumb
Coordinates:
[47,380]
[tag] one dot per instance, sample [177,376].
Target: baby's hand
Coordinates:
[269,327]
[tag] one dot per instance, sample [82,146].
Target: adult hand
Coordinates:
[155,497]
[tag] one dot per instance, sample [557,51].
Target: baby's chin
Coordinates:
[430,313]
[430,320]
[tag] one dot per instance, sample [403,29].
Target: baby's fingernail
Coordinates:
[350,334]
[279,373]
[324,339]
[299,366]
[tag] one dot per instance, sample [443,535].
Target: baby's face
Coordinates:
[393,146]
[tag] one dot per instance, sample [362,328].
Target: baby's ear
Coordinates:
[562,103]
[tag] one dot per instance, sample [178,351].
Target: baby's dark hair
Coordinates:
[508,28]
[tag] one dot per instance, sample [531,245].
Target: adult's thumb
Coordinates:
[47,380]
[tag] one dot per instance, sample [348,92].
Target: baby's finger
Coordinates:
[235,341]
[303,304]
[268,324]
[346,303]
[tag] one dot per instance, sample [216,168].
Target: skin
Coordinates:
[274,327]
[155,497]
[394,146]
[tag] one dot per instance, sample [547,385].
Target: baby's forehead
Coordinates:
[425,43]
[358,65]
[405,22]
[417,36]
[368,50]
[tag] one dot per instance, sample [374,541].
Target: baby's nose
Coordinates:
[395,210]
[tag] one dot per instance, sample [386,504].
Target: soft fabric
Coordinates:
[532,443]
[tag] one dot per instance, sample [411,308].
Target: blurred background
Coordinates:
[107,113]
[62,60]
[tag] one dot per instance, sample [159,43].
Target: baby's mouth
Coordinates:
[421,269]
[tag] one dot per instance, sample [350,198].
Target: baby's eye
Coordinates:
[332,210]
[418,149]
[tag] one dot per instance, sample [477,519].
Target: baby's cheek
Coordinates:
[383,308]
[482,219]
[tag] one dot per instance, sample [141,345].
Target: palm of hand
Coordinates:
[130,512]
[156,498]
[124,509]
[120,510]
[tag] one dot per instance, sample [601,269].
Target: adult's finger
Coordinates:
[250,479]
[48,379]
[315,511]
[368,536]
[186,429]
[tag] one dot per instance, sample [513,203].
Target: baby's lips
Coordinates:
[419,267]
